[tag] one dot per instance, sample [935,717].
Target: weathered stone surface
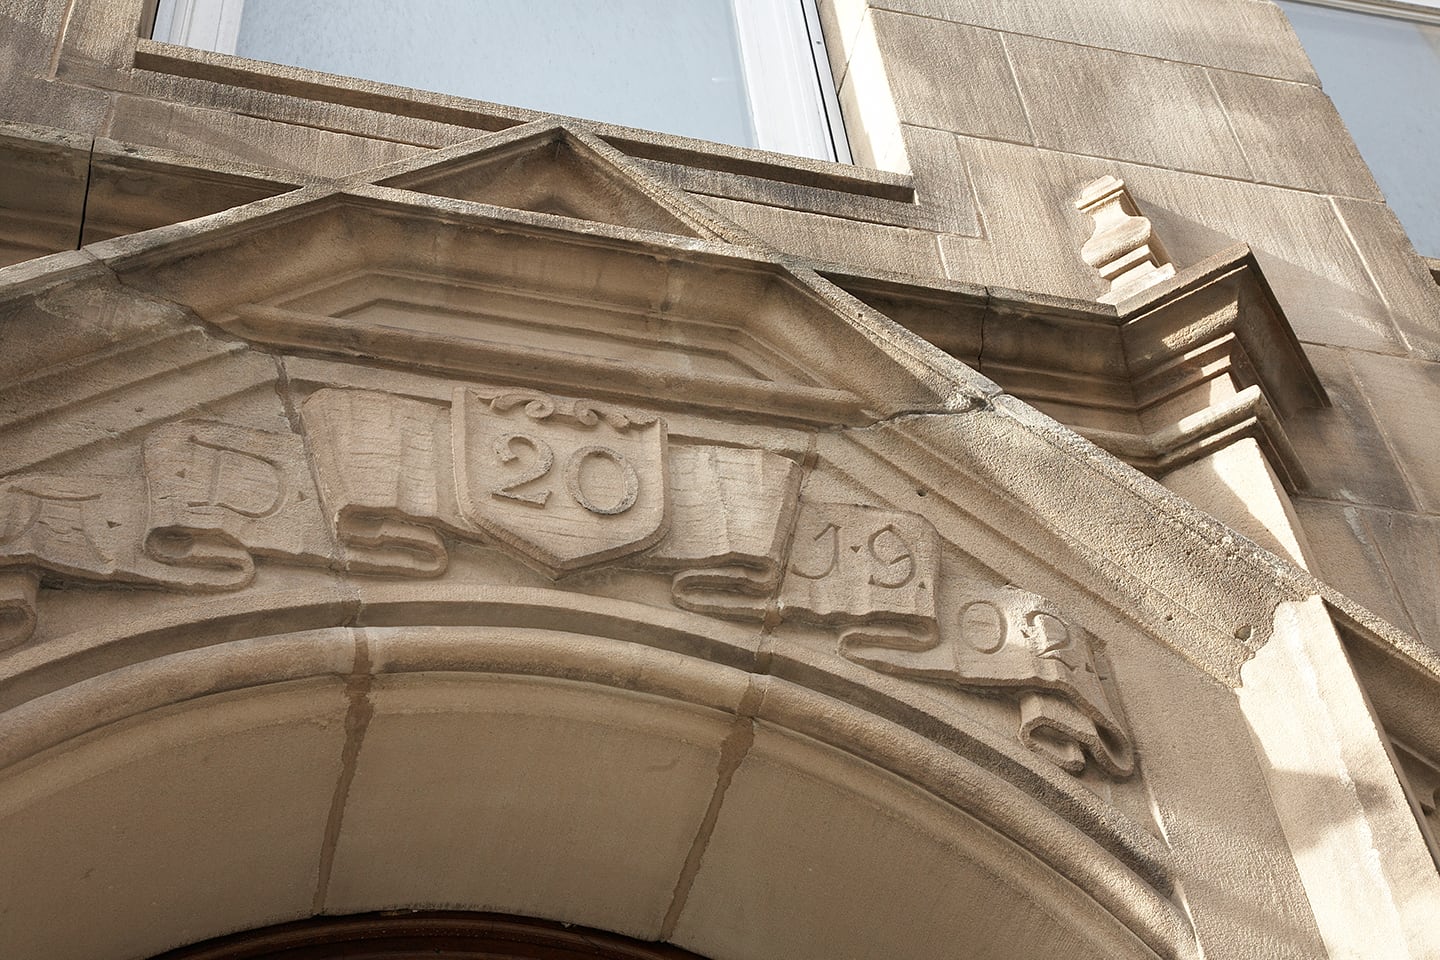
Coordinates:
[1239,35]
[1349,457]
[925,60]
[1348,552]
[1269,117]
[209,819]
[75,108]
[843,615]
[213,498]
[28,40]
[873,124]
[1317,274]
[42,196]
[732,515]
[185,129]
[1336,792]
[1104,104]
[518,838]
[134,188]
[893,249]
[1200,795]
[942,179]
[1238,486]
[1409,286]
[287,103]
[840,21]
[786,798]
[549,171]
[1405,397]
[1410,543]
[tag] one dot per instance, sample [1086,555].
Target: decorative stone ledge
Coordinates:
[1185,367]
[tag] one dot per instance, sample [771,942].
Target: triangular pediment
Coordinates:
[463,289]
[551,170]
[398,324]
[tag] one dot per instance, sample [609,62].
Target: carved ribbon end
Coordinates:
[1056,728]
[18,592]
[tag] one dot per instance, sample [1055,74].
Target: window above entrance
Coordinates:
[751,73]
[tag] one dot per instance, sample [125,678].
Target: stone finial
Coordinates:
[1123,247]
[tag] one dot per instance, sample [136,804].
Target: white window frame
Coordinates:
[202,24]
[1421,11]
[790,90]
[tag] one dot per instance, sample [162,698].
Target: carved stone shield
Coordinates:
[566,485]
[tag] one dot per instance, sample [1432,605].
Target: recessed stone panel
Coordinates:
[542,798]
[817,855]
[172,829]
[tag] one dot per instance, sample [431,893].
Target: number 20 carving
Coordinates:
[543,460]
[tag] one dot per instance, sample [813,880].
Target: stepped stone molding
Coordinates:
[1186,367]
[720,329]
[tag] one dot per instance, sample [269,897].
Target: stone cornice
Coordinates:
[1159,380]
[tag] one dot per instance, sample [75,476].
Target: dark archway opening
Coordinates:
[410,935]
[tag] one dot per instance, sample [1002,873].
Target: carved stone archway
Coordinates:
[619,782]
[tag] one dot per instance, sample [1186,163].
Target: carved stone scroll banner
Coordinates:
[383,467]
[564,485]
[1009,638]
[88,527]
[210,498]
[219,495]
[732,511]
[871,572]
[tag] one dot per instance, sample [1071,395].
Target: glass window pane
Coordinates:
[671,65]
[1384,75]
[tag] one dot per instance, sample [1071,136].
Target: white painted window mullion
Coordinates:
[201,24]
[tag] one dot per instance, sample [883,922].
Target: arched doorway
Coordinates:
[610,779]
[404,936]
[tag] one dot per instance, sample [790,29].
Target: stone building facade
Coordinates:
[1022,542]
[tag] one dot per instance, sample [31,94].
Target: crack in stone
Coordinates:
[733,751]
[357,721]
